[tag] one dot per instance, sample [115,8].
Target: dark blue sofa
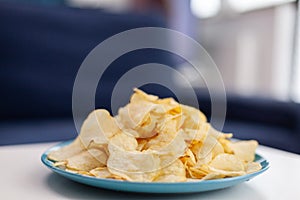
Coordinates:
[41,49]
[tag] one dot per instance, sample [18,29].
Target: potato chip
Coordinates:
[204,159]
[196,135]
[87,160]
[85,173]
[142,114]
[197,173]
[133,165]
[167,106]
[134,115]
[163,106]
[175,172]
[141,144]
[103,172]
[167,131]
[194,117]
[61,164]
[225,173]
[188,159]
[124,141]
[223,165]
[172,151]
[98,127]
[67,151]
[154,140]
[72,171]
[227,162]
[137,117]
[205,151]
[252,167]
[226,145]
[139,94]
[213,175]
[245,150]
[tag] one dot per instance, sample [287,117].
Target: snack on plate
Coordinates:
[155,140]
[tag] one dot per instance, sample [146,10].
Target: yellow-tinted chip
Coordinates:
[154,140]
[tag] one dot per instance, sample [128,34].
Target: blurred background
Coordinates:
[254,43]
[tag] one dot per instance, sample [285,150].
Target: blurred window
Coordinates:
[252,43]
[205,9]
[248,5]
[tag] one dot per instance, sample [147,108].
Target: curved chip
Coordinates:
[175,172]
[194,117]
[154,140]
[124,141]
[67,151]
[99,127]
[252,167]
[133,165]
[87,160]
[245,150]
[227,162]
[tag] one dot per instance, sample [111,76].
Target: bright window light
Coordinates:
[204,8]
[247,5]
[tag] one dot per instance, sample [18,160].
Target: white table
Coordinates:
[23,176]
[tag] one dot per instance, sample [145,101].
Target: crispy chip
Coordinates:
[67,151]
[139,94]
[194,117]
[133,165]
[87,160]
[252,167]
[227,162]
[103,172]
[197,173]
[175,172]
[154,140]
[188,159]
[205,151]
[98,127]
[137,119]
[141,144]
[124,141]
[172,151]
[213,175]
[245,150]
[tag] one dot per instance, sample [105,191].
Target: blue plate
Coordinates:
[181,187]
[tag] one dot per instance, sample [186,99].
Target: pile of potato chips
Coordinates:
[155,140]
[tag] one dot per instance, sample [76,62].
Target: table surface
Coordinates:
[23,176]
